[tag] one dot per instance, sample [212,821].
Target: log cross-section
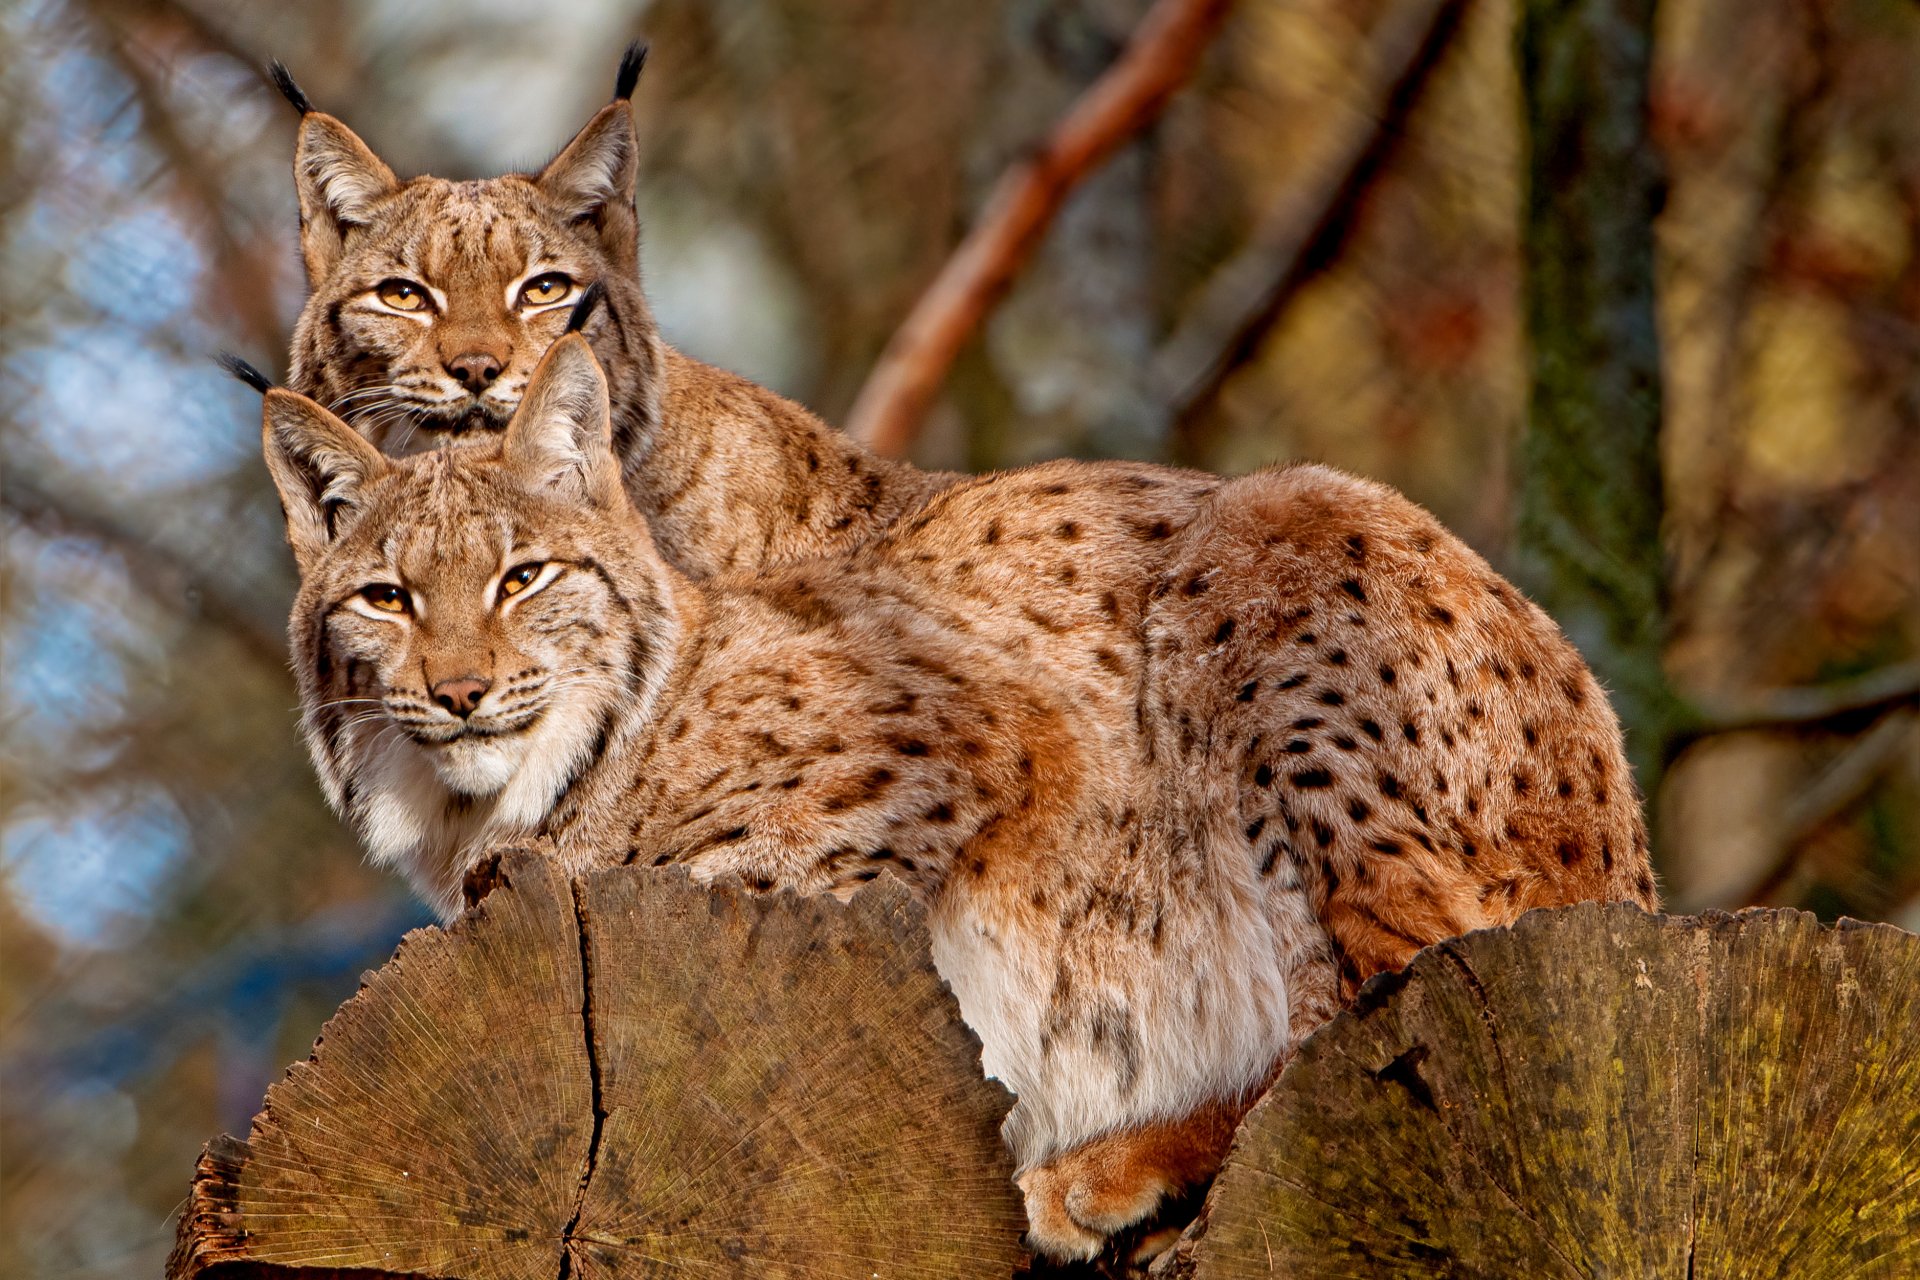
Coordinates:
[623,1075]
[1596,1092]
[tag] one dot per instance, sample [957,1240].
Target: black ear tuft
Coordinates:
[583,309]
[240,369]
[631,63]
[283,81]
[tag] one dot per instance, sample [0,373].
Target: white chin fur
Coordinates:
[478,766]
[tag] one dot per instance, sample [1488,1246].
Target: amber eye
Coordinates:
[402,295]
[386,597]
[551,287]
[519,578]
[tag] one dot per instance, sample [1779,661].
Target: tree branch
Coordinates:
[1157,61]
[1815,708]
[1837,789]
[1304,233]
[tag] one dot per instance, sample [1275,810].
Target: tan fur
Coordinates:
[729,474]
[1176,762]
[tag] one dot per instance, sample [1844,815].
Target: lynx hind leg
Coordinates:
[1081,1199]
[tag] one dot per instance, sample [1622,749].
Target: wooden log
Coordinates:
[1596,1092]
[627,1075]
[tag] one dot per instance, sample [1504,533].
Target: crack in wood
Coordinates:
[567,1238]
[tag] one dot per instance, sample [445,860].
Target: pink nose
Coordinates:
[461,696]
[475,369]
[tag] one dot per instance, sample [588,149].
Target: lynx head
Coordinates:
[472,624]
[430,302]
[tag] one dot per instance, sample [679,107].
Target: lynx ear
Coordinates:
[320,465]
[562,435]
[592,177]
[339,180]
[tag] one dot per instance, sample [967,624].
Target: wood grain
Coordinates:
[627,1075]
[1597,1092]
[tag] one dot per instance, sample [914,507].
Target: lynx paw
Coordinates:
[1075,1202]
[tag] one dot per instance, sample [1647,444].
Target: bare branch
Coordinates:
[1304,233]
[1828,707]
[1130,95]
[1831,794]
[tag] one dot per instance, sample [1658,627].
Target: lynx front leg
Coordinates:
[1077,1201]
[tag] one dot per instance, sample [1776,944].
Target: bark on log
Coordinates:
[1596,1092]
[627,1075]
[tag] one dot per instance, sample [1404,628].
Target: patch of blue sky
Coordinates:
[89,875]
[143,269]
[112,407]
[64,679]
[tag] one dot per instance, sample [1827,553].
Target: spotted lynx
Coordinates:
[1176,762]
[429,303]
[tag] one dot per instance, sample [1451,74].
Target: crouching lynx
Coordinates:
[1161,827]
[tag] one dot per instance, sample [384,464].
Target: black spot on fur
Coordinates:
[1356,547]
[1292,682]
[1224,632]
[1338,658]
[1353,588]
[1323,836]
[1333,697]
[1389,786]
[1359,810]
[1388,675]
[1569,852]
[1310,722]
[1247,691]
[1263,775]
[1371,729]
[1299,746]
[1312,779]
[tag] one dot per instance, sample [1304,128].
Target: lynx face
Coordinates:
[467,620]
[430,301]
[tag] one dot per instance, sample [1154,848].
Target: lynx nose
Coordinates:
[461,696]
[476,370]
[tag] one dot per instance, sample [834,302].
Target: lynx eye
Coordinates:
[519,578]
[551,287]
[402,295]
[387,598]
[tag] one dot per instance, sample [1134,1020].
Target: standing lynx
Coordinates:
[1176,762]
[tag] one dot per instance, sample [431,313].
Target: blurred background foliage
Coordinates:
[179,913]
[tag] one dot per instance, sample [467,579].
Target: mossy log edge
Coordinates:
[1596,1091]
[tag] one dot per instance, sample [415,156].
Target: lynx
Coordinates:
[1176,762]
[430,301]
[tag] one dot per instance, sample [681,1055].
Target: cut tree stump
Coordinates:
[1596,1092]
[628,1075]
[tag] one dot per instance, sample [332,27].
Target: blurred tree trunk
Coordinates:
[1588,540]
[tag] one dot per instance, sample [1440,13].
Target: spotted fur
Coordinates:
[1176,762]
[729,474]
